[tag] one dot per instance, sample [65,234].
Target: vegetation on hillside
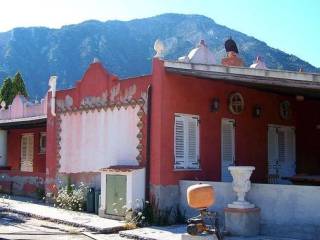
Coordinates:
[10,88]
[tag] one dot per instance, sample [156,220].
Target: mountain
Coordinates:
[124,47]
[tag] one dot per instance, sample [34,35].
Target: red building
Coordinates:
[234,116]
[190,119]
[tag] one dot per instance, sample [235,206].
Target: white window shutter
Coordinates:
[281,152]
[291,136]
[186,142]
[27,148]
[192,142]
[273,151]
[287,151]
[179,142]
[228,153]
[282,145]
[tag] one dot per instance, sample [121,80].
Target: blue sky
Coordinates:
[290,25]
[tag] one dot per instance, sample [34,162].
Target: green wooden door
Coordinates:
[116,194]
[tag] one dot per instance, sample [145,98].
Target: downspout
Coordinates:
[52,84]
[148,147]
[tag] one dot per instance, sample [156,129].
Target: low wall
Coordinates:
[286,210]
[22,183]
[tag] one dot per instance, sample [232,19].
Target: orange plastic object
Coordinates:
[200,196]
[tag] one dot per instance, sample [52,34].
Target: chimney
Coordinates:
[159,48]
[232,58]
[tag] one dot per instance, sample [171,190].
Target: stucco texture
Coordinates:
[94,140]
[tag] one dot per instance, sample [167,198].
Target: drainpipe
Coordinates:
[148,147]
[52,84]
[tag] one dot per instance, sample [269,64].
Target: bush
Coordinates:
[72,198]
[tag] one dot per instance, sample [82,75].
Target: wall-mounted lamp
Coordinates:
[257,111]
[215,105]
[299,98]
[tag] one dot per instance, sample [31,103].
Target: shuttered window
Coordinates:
[282,146]
[228,142]
[186,141]
[281,152]
[27,148]
[227,148]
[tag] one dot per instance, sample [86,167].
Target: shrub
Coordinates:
[135,219]
[72,197]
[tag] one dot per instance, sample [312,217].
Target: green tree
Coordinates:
[18,85]
[6,91]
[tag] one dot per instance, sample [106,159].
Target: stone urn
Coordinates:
[241,185]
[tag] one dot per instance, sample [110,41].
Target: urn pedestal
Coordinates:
[201,237]
[242,222]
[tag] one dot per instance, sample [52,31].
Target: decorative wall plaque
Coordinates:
[236,103]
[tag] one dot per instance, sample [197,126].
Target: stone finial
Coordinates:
[53,83]
[3,105]
[258,64]
[159,48]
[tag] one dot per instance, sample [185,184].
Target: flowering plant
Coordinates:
[72,197]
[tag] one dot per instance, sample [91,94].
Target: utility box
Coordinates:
[122,187]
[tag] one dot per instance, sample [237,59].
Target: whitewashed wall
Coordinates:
[94,140]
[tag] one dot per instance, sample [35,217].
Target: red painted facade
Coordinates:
[14,181]
[14,149]
[174,93]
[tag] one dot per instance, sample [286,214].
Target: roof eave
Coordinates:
[260,78]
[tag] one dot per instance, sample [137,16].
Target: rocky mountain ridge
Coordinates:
[124,47]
